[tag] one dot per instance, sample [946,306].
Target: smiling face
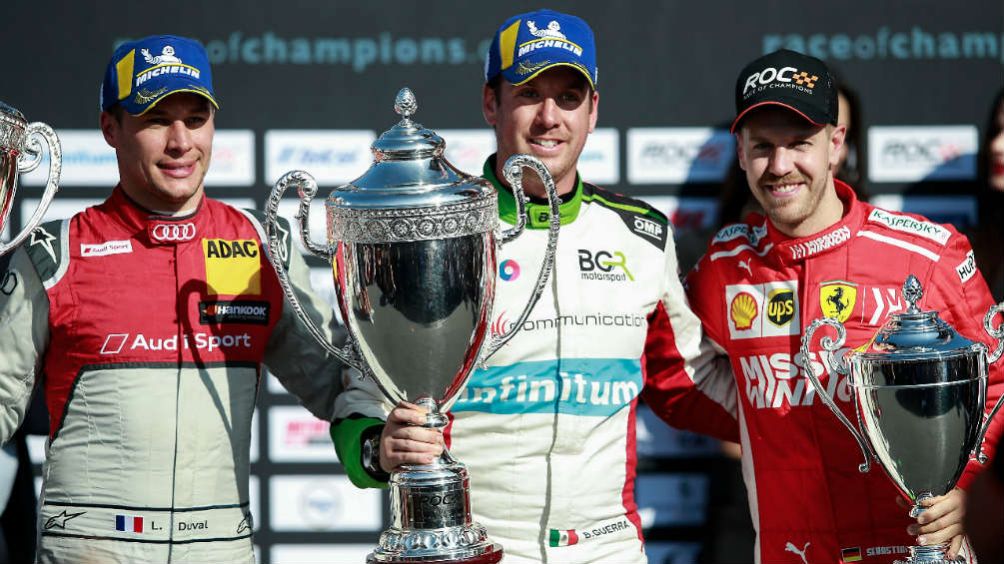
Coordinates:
[787,161]
[549,117]
[163,155]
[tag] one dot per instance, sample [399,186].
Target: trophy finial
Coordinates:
[912,292]
[405,103]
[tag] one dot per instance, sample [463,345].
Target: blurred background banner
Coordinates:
[309,84]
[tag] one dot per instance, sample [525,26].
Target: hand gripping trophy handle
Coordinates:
[27,161]
[998,334]
[306,188]
[841,368]
[513,172]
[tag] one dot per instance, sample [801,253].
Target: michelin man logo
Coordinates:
[553,30]
[166,56]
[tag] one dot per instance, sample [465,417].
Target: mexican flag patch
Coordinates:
[563,538]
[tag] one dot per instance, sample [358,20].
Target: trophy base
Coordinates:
[492,555]
[932,554]
[431,519]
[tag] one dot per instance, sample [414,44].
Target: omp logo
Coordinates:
[580,386]
[785,77]
[604,265]
[781,306]
[115,343]
[648,227]
[509,270]
[967,268]
[773,381]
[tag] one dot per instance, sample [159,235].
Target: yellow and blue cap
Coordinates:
[531,43]
[144,72]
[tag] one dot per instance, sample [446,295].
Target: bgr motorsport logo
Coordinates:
[610,266]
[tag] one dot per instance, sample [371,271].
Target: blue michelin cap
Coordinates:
[529,44]
[144,72]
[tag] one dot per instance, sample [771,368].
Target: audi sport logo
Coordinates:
[172,232]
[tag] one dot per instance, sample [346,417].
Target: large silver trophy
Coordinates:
[413,245]
[21,151]
[919,395]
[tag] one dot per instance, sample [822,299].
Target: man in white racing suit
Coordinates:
[547,429]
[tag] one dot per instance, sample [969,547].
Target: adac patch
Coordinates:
[233,267]
[837,299]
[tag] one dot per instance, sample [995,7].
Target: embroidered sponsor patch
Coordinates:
[106,248]
[233,267]
[821,243]
[967,268]
[907,224]
[763,310]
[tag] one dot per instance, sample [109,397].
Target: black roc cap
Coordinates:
[792,80]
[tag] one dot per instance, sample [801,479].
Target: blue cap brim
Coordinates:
[159,91]
[531,67]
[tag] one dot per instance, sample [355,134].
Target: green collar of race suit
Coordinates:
[538,212]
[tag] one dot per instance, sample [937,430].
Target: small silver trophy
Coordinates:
[413,245]
[919,395]
[21,151]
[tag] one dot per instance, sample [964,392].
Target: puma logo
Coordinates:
[801,553]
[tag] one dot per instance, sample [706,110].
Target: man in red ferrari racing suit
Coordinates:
[820,252]
[147,331]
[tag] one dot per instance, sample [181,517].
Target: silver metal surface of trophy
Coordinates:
[413,244]
[919,393]
[20,152]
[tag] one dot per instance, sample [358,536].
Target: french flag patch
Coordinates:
[129,523]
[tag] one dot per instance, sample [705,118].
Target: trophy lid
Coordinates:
[916,334]
[409,170]
[12,126]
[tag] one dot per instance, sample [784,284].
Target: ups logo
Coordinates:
[781,306]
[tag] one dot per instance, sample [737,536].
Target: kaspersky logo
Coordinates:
[604,265]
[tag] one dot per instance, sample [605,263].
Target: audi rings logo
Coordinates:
[172,232]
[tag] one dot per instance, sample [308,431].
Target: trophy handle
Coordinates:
[32,157]
[306,187]
[513,172]
[841,367]
[998,334]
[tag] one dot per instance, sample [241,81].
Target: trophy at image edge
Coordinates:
[413,245]
[21,152]
[918,379]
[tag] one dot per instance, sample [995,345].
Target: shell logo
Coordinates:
[743,311]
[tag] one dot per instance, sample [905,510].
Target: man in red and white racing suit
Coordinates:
[821,252]
[147,332]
